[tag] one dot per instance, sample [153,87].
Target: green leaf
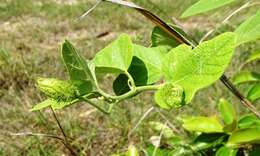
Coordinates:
[60,93]
[174,141]
[160,38]
[42,105]
[204,6]
[170,96]
[132,151]
[245,76]
[254,93]
[61,104]
[162,128]
[182,151]
[159,152]
[53,103]
[82,73]
[228,115]
[227,111]
[4,56]
[57,89]
[197,68]
[254,152]
[254,56]
[249,30]
[116,57]
[248,121]
[145,68]
[137,70]
[226,151]
[206,141]
[152,58]
[243,136]
[202,124]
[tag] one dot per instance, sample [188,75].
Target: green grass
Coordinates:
[31,33]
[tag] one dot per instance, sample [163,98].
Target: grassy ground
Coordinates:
[30,36]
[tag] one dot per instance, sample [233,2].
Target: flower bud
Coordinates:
[57,89]
[169,96]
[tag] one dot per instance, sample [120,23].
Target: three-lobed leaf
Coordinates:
[202,124]
[249,30]
[203,6]
[116,57]
[197,68]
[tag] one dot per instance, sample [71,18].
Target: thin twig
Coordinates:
[160,138]
[46,135]
[167,121]
[58,122]
[140,120]
[37,134]
[90,10]
[66,143]
[247,5]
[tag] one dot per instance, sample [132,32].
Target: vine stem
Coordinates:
[135,91]
[130,93]
[115,99]
[59,124]
[131,80]
[235,91]
[94,105]
[65,142]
